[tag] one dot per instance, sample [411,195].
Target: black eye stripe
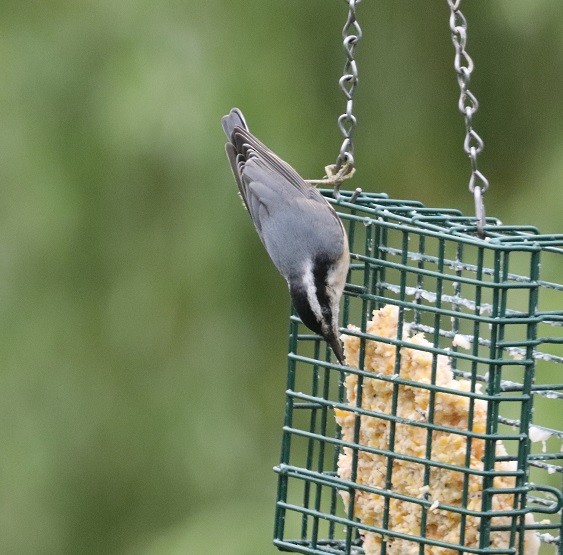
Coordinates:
[320,272]
[303,308]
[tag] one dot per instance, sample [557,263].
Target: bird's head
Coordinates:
[316,296]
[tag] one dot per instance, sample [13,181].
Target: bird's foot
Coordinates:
[335,175]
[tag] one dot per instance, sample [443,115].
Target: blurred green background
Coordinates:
[143,328]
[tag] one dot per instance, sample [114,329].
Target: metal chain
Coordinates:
[345,167]
[468,105]
[351,34]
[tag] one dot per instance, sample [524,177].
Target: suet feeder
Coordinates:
[456,427]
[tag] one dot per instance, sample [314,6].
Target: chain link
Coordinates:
[468,105]
[351,34]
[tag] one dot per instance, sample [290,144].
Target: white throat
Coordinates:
[310,288]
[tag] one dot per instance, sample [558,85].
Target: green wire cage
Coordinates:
[442,433]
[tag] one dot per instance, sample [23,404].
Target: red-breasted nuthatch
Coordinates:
[299,228]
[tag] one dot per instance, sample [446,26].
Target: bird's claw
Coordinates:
[335,175]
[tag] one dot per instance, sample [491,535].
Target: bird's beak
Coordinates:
[336,346]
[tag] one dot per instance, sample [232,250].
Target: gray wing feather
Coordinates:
[246,142]
[233,119]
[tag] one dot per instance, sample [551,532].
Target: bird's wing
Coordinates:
[237,162]
[274,194]
[269,193]
[245,142]
[251,160]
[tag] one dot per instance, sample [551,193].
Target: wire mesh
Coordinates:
[447,443]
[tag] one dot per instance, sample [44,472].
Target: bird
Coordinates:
[298,227]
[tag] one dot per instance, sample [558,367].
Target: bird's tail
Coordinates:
[233,119]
